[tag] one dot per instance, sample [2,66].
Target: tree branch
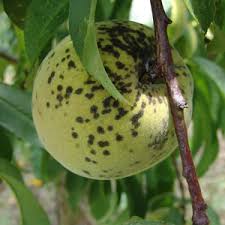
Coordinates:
[8,58]
[177,104]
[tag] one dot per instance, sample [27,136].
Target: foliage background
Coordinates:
[28,29]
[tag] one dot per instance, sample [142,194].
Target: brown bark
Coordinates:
[177,104]
[9,58]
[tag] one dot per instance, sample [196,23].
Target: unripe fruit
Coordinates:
[90,132]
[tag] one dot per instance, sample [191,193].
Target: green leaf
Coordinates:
[139,221]
[50,168]
[6,148]
[43,165]
[162,200]
[220,14]
[33,156]
[203,10]
[199,127]
[8,169]
[206,119]
[16,10]
[3,65]
[104,10]
[31,211]
[158,214]
[190,8]
[101,198]
[121,10]
[188,43]
[136,198]
[160,179]
[221,118]
[118,218]
[15,113]
[20,99]
[216,46]
[174,216]
[213,72]
[213,216]
[209,154]
[169,214]
[215,101]
[83,33]
[76,187]
[179,20]
[43,19]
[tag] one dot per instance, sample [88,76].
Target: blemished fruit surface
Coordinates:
[87,130]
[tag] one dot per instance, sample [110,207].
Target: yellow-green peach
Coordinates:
[91,133]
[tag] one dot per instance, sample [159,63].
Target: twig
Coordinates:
[9,58]
[177,104]
[181,186]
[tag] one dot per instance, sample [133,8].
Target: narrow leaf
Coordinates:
[199,128]
[206,115]
[83,33]
[216,45]
[136,198]
[121,218]
[76,187]
[16,10]
[43,19]
[203,10]
[104,9]
[160,179]
[50,169]
[220,14]
[99,199]
[8,169]
[164,200]
[208,139]
[209,155]
[6,148]
[213,72]
[121,9]
[31,211]
[179,18]
[15,113]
